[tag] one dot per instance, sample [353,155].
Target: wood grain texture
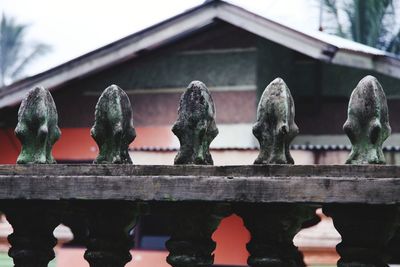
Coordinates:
[272,170]
[373,184]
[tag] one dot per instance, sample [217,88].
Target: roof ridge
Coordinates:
[321,47]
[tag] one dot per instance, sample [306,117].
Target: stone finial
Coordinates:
[37,127]
[275,127]
[367,124]
[113,128]
[195,126]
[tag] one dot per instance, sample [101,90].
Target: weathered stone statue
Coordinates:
[367,124]
[37,127]
[273,226]
[32,243]
[109,224]
[365,229]
[194,223]
[275,127]
[195,126]
[113,129]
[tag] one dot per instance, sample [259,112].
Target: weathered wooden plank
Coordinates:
[297,189]
[339,171]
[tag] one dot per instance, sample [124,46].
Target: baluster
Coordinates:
[194,223]
[273,226]
[32,240]
[33,222]
[109,223]
[394,247]
[365,229]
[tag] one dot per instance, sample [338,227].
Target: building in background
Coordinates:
[236,54]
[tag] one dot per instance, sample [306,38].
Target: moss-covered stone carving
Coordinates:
[365,229]
[109,224]
[367,124]
[195,126]
[194,223]
[37,127]
[273,226]
[275,127]
[113,128]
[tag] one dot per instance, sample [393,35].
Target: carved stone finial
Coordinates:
[273,226]
[109,224]
[195,126]
[113,128]
[367,127]
[275,127]
[37,127]
[367,124]
[191,243]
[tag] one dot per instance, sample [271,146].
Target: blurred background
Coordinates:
[154,49]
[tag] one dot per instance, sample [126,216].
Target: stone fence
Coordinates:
[274,197]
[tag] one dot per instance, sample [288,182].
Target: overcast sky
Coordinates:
[75,27]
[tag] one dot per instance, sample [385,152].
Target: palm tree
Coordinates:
[15,53]
[371,22]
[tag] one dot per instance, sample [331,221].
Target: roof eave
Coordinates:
[154,37]
[186,23]
[275,32]
[385,64]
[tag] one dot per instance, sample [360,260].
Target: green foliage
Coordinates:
[15,53]
[371,22]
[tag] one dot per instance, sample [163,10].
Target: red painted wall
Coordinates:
[9,146]
[76,144]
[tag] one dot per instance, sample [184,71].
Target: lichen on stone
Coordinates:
[37,127]
[367,124]
[113,128]
[195,126]
[275,127]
